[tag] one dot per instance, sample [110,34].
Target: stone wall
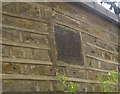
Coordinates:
[39,38]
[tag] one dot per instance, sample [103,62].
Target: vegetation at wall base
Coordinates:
[106,85]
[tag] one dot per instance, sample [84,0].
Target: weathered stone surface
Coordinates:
[57,86]
[5,51]
[76,73]
[25,23]
[29,10]
[92,75]
[96,88]
[89,87]
[93,63]
[10,35]
[18,86]
[81,87]
[37,69]
[27,53]
[90,50]
[33,39]
[18,52]
[62,19]
[68,46]
[41,55]
[10,68]
[108,66]
[10,7]
[43,86]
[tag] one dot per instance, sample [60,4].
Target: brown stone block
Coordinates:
[33,39]
[81,87]
[92,75]
[85,27]
[18,86]
[6,51]
[89,39]
[98,53]
[10,35]
[93,63]
[90,50]
[107,55]
[68,21]
[28,53]
[10,68]
[76,73]
[9,7]
[17,52]
[89,87]
[61,70]
[20,52]
[43,86]
[96,87]
[48,13]
[25,23]
[37,69]
[41,54]
[29,10]
[114,58]
[108,66]
[57,86]
[46,70]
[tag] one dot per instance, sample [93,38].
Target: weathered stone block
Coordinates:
[10,68]
[115,58]
[29,10]
[6,51]
[89,87]
[64,19]
[90,50]
[37,69]
[43,86]
[108,66]
[92,75]
[93,63]
[46,70]
[98,53]
[88,38]
[9,7]
[25,23]
[33,39]
[17,52]
[28,53]
[96,88]
[61,70]
[81,87]
[10,35]
[41,55]
[76,73]
[107,55]
[18,86]
[57,86]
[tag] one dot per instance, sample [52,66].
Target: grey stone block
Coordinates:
[112,15]
[100,9]
[90,4]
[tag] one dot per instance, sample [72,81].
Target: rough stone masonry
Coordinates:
[38,38]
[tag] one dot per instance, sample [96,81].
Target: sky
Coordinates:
[107,6]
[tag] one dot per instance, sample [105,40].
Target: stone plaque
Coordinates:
[68,46]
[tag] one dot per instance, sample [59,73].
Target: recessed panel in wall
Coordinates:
[68,46]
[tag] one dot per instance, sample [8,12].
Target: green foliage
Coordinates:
[106,83]
[64,85]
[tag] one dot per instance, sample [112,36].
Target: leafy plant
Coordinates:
[64,85]
[106,84]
